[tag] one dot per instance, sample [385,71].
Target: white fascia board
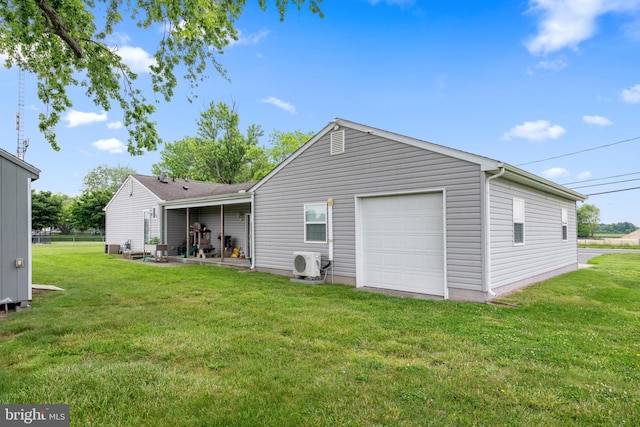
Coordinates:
[513,173]
[484,162]
[199,202]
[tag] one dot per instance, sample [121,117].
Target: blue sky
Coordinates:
[516,81]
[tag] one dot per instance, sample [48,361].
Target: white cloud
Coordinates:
[566,23]
[115,125]
[78,118]
[281,104]
[249,39]
[555,173]
[631,95]
[584,175]
[535,131]
[597,120]
[136,58]
[112,145]
[555,65]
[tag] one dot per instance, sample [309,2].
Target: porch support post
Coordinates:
[187,246]
[221,232]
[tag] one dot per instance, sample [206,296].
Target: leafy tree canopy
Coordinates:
[281,145]
[588,219]
[220,152]
[87,209]
[66,43]
[46,209]
[106,177]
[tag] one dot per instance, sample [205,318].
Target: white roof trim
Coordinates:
[198,202]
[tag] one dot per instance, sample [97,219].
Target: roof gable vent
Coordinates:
[337,142]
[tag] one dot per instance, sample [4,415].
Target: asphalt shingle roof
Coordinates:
[179,189]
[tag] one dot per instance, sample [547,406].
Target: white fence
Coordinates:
[610,241]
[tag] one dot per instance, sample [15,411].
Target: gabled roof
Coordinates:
[486,164]
[24,165]
[180,189]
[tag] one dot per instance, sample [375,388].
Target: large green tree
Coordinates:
[46,209]
[588,220]
[104,177]
[220,152]
[87,209]
[66,43]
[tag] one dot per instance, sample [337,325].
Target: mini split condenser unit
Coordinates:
[306,264]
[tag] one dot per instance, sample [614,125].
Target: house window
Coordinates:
[565,225]
[147,226]
[315,222]
[518,222]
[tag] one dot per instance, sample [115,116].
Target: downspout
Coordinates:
[330,231]
[252,231]
[487,227]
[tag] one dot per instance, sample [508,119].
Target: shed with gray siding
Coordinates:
[398,213]
[15,228]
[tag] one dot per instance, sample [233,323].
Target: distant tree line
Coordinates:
[589,223]
[617,228]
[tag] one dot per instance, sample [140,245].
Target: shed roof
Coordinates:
[181,189]
[24,165]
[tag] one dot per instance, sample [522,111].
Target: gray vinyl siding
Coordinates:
[543,248]
[15,233]
[176,229]
[370,165]
[125,217]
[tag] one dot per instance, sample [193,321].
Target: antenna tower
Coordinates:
[23,144]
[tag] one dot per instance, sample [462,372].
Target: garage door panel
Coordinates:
[403,242]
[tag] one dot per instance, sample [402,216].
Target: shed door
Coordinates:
[402,243]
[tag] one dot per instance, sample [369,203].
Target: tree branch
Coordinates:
[56,24]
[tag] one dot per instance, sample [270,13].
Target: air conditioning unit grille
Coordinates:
[300,263]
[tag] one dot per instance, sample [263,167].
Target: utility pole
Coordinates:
[23,144]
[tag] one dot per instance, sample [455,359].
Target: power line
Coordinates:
[606,183]
[581,151]
[600,179]
[613,191]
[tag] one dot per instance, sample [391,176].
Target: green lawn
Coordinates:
[134,344]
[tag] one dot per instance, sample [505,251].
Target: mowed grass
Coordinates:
[134,344]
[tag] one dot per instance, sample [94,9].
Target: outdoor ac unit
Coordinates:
[306,264]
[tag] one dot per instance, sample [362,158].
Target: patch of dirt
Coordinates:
[634,235]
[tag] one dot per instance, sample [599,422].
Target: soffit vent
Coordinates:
[337,142]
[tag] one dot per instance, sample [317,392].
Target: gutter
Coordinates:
[487,226]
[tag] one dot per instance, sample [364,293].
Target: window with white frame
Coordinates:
[565,224]
[518,221]
[315,223]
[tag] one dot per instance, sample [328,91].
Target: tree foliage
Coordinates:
[220,152]
[68,43]
[46,209]
[106,177]
[588,219]
[87,209]
[616,228]
[281,145]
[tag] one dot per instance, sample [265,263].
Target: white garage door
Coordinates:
[402,243]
